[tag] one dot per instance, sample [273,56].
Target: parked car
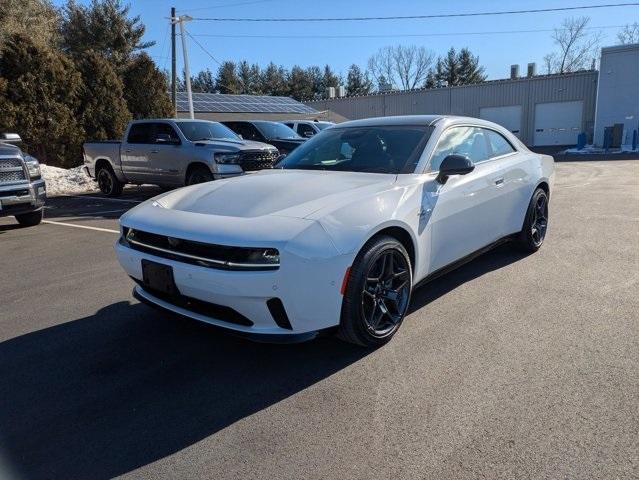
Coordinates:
[22,190]
[307,128]
[274,133]
[339,235]
[171,153]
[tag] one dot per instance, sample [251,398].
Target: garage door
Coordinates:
[557,123]
[508,117]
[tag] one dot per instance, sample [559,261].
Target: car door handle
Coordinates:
[128,150]
[154,151]
[499,181]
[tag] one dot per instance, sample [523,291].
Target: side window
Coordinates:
[467,141]
[305,130]
[166,129]
[289,125]
[498,144]
[249,132]
[140,133]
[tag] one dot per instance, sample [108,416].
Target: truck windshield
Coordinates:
[383,149]
[196,131]
[275,130]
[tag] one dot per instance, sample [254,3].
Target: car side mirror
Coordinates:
[10,138]
[280,157]
[454,165]
[308,134]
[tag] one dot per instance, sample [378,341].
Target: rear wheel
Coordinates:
[30,219]
[198,174]
[533,233]
[377,293]
[108,182]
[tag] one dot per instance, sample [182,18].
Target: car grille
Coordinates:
[251,161]
[11,170]
[196,253]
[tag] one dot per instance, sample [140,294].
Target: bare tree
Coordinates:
[577,46]
[629,34]
[403,66]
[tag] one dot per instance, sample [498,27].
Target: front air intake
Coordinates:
[276,307]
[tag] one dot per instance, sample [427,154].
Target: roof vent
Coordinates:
[514,72]
[532,70]
[330,92]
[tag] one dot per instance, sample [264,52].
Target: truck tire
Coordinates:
[108,182]
[30,219]
[198,174]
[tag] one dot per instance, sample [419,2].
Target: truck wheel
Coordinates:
[198,174]
[108,182]
[30,219]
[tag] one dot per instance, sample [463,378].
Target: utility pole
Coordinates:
[181,20]
[173,65]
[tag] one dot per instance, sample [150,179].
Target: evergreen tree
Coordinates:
[300,84]
[202,82]
[103,111]
[248,77]
[329,79]
[273,80]
[145,89]
[103,26]
[227,80]
[469,69]
[39,99]
[38,19]
[357,82]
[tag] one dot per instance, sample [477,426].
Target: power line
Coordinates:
[202,47]
[501,32]
[419,17]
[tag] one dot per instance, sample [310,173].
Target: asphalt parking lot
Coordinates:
[510,367]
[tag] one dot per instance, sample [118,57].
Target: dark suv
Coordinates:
[274,133]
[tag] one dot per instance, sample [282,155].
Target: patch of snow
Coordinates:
[63,181]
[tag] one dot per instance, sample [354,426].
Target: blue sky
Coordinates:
[496,51]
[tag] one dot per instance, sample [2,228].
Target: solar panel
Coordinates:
[217,102]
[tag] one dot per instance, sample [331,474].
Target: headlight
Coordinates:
[257,256]
[227,157]
[33,166]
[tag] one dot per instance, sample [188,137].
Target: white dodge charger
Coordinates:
[341,231]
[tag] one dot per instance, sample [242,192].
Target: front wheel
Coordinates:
[30,219]
[198,174]
[377,293]
[533,233]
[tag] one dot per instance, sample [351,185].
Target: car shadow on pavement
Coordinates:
[103,395]
[495,259]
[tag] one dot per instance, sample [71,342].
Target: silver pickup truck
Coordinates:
[22,190]
[172,153]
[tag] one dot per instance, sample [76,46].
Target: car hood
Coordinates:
[287,193]
[235,145]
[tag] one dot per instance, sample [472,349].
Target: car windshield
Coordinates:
[274,130]
[196,131]
[323,125]
[383,149]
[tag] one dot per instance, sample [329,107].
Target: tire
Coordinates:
[198,174]
[108,182]
[533,233]
[377,293]
[30,219]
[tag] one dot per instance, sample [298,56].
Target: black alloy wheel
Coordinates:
[377,294]
[199,175]
[535,226]
[108,183]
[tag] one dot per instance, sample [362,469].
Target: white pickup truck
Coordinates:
[172,153]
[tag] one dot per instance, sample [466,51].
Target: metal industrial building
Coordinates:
[543,110]
[220,107]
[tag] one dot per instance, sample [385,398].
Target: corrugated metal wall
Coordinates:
[469,99]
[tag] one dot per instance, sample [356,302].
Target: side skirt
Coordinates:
[464,260]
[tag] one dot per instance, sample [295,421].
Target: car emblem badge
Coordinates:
[174,242]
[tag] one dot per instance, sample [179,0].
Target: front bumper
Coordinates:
[19,198]
[308,289]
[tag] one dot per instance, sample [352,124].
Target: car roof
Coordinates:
[426,120]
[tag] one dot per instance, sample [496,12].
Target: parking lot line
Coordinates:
[98,229]
[101,198]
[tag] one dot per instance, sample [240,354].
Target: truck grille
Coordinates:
[11,170]
[250,161]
